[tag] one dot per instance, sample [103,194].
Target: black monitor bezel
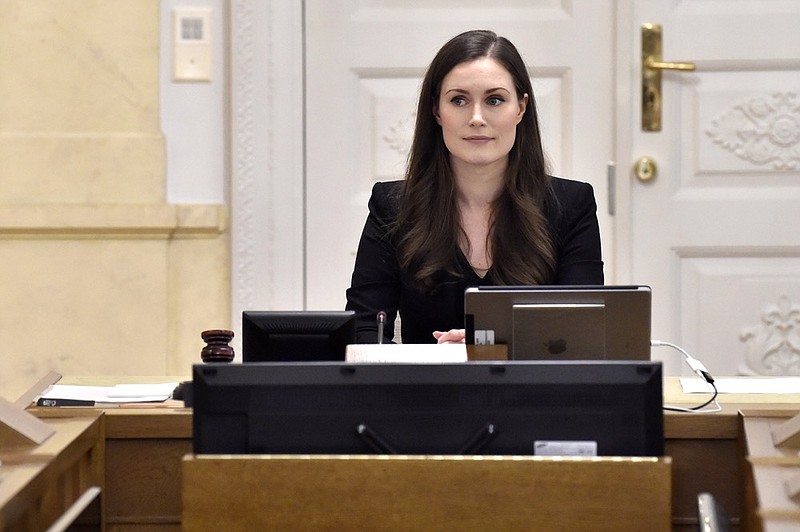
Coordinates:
[296,335]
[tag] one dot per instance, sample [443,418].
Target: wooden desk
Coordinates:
[145,446]
[39,483]
[705,450]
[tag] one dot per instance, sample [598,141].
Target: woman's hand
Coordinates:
[453,336]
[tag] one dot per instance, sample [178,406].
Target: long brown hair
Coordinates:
[428,226]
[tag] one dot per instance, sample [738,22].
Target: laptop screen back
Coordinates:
[561,322]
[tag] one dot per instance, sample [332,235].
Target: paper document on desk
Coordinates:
[121,393]
[406,353]
[743,385]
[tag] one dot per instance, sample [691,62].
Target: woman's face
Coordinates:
[479,110]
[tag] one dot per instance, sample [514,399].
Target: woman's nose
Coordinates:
[477,116]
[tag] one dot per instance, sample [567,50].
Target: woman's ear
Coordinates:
[435,111]
[523,105]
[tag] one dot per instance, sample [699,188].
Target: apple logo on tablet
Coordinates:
[557,346]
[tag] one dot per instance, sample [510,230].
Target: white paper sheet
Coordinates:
[121,393]
[408,353]
[743,385]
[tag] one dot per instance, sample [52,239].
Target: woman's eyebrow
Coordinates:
[498,89]
[487,91]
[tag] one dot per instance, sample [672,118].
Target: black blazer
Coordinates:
[378,284]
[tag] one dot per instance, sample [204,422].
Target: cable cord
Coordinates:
[701,371]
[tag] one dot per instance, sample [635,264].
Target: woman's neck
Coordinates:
[477,187]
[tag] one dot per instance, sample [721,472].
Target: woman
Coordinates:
[477,206]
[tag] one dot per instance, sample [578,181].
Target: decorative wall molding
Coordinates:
[764,130]
[773,346]
[243,146]
[138,222]
[266,156]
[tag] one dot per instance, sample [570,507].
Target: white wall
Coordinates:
[193,116]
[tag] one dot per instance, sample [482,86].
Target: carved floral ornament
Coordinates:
[773,346]
[399,135]
[764,130]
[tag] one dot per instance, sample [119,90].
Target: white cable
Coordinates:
[693,363]
[700,370]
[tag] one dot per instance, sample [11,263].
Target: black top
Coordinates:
[378,284]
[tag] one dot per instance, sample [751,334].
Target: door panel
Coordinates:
[715,234]
[364,63]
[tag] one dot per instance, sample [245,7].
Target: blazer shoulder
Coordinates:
[570,202]
[570,192]
[385,200]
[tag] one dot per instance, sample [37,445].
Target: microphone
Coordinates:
[692,362]
[381,317]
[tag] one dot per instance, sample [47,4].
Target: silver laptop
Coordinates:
[561,322]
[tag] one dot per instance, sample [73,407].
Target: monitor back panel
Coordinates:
[562,323]
[489,407]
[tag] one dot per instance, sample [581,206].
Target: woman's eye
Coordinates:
[459,100]
[495,100]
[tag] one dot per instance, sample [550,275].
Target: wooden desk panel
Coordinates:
[144,448]
[39,483]
[143,483]
[342,492]
[707,465]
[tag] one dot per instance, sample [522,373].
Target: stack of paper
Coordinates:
[75,395]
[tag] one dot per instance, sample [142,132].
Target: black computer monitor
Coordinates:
[561,322]
[487,407]
[292,336]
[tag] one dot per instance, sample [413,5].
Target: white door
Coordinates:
[717,232]
[364,62]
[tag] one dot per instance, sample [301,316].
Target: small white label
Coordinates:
[564,448]
[484,337]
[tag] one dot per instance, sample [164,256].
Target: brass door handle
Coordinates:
[652,65]
[661,65]
[645,169]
